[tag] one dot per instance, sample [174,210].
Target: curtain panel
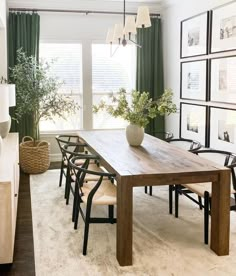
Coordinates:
[150,76]
[24,31]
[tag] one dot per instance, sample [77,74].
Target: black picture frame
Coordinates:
[199,81]
[222,125]
[222,85]
[198,128]
[194,43]
[223,28]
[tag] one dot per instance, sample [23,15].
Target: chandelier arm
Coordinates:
[112,54]
[138,45]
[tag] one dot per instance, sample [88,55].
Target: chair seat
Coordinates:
[200,188]
[90,177]
[105,195]
[77,162]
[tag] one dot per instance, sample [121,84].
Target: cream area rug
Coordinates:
[162,244]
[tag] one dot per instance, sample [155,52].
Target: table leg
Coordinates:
[124,235]
[220,214]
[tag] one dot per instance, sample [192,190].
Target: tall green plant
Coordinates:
[37,91]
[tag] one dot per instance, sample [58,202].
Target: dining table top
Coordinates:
[154,156]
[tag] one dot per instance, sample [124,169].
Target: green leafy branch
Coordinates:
[140,109]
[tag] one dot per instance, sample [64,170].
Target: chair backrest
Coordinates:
[225,158]
[81,171]
[69,151]
[188,144]
[72,140]
[166,136]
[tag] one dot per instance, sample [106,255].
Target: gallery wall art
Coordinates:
[223,128]
[194,35]
[210,78]
[193,122]
[223,80]
[223,30]
[193,80]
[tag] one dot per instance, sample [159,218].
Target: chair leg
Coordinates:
[145,189]
[61,173]
[86,229]
[150,190]
[66,185]
[111,213]
[206,216]
[200,202]
[76,214]
[170,199]
[176,201]
[76,206]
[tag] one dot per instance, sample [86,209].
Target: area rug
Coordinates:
[162,244]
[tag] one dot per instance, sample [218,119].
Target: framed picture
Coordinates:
[223,80]
[194,36]
[193,122]
[223,129]
[223,30]
[193,80]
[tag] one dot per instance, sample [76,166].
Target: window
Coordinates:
[67,67]
[108,75]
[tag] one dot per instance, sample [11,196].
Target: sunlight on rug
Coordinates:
[162,244]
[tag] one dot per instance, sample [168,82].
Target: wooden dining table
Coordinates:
[154,163]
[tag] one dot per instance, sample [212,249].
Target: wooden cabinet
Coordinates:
[9,187]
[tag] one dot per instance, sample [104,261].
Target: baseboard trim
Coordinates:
[56,157]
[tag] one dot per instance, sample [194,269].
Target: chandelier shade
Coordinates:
[143,18]
[118,32]
[121,33]
[130,26]
[110,34]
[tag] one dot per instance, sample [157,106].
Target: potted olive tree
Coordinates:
[36,95]
[138,110]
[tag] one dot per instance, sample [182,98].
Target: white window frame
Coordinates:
[114,47]
[59,41]
[86,87]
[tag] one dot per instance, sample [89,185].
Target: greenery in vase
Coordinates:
[140,109]
[36,92]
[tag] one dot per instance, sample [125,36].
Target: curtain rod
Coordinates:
[77,11]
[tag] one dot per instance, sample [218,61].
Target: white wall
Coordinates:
[172,16]
[3,39]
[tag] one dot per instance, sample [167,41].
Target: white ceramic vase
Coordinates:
[5,128]
[134,135]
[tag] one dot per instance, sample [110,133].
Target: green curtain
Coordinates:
[24,30]
[150,75]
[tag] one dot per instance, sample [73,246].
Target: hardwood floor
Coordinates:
[23,264]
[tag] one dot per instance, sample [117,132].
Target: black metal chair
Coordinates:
[191,146]
[68,151]
[203,190]
[165,136]
[99,192]
[72,140]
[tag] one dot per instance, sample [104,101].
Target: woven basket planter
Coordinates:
[34,155]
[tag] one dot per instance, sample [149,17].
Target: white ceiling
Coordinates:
[105,5]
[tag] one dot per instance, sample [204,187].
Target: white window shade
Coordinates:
[108,76]
[67,67]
